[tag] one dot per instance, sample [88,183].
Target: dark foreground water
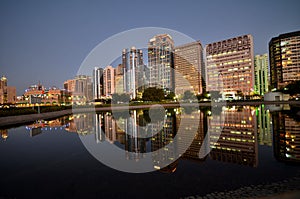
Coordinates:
[48,160]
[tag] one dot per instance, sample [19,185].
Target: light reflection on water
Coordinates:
[258,140]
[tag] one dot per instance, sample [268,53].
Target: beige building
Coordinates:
[230,65]
[189,65]
[7,93]
[109,81]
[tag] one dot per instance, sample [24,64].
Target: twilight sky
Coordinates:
[48,40]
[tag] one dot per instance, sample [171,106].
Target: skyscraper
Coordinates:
[109,81]
[160,61]
[284,56]
[188,64]
[261,67]
[119,80]
[230,65]
[134,74]
[97,82]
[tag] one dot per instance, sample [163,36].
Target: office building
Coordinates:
[119,80]
[160,61]
[230,65]
[261,67]
[134,71]
[97,83]
[7,93]
[108,81]
[188,64]
[284,56]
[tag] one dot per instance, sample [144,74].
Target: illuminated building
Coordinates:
[233,136]
[97,82]
[7,93]
[284,56]
[261,67]
[286,137]
[135,74]
[188,64]
[263,126]
[160,61]
[230,65]
[119,80]
[108,81]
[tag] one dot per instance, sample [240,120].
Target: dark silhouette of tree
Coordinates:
[153,94]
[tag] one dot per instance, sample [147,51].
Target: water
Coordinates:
[255,145]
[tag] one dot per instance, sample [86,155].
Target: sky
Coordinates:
[47,41]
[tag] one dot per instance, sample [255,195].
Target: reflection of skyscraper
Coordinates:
[188,63]
[109,127]
[98,127]
[160,60]
[195,130]
[162,146]
[237,141]
[263,126]
[135,75]
[134,144]
[97,82]
[286,137]
[4,133]
[82,123]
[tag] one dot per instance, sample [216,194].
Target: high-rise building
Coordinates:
[230,65]
[134,74]
[160,61]
[7,93]
[261,68]
[108,81]
[188,64]
[119,79]
[284,56]
[97,82]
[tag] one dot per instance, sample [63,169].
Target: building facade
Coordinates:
[134,71]
[97,83]
[284,56]
[230,65]
[188,64]
[261,67]
[108,81]
[160,61]
[7,93]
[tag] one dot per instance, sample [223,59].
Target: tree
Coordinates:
[120,98]
[188,96]
[153,94]
[170,96]
[292,88]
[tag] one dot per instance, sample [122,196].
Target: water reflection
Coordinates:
[286,135]
[233,134]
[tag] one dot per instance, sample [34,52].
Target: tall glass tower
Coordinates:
[160,61]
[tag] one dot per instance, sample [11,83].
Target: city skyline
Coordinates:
[38,45]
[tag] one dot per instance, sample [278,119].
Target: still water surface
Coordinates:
[254,145]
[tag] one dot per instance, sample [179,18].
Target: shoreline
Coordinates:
[22,119]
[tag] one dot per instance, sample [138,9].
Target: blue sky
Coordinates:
[48,40]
